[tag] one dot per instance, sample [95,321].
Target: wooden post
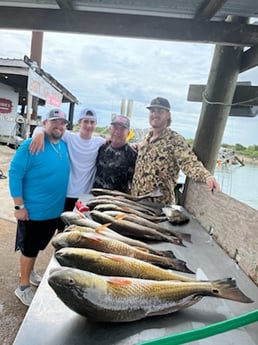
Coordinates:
[217,98]
[36,46]
[36,55]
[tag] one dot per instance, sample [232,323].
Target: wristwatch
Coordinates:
[19,207]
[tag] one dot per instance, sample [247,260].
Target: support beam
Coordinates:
[208,9]
[245,94]
[219,92]
[129,25]
[249,59]
[65,4]
[70,115]
[36,55]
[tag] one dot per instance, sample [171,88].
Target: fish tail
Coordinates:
[181,266]
[227,288]
[176,264]
[186,237]
[176,240]
[168,254]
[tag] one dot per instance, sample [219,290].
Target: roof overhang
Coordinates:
[204,21]
[14,73]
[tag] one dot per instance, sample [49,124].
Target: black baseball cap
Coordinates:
[159,102]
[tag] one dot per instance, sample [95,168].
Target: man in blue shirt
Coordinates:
[38,185]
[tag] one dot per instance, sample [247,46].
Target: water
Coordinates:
[239,182]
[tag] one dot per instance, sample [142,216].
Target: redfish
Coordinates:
[120,299]
[109,245]
[113,265]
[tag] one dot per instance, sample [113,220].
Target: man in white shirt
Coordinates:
[83,150]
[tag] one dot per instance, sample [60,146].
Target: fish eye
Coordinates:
[70,281]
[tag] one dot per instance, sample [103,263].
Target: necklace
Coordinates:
[57,149]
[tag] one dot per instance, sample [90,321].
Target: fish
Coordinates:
[77,218]
[146,206]
[139,220]
[123,299]
[113,265]
[120,203]
[105,231]
[109,245]
[128,228]
[126,209]
[175,215]
[154,194]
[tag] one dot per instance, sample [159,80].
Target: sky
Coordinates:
[101,71]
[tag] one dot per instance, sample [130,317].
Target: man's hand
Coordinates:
[37,143]
[21,214]
[212,184]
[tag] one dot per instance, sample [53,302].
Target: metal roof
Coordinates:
[218,9]
[182,20]
[14,73]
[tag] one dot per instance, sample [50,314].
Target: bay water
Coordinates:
[239,182]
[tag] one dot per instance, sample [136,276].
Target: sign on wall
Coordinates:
[6,106]
[40,88]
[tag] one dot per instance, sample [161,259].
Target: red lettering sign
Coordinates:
[5,106]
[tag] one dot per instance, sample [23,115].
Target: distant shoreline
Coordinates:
[247,160]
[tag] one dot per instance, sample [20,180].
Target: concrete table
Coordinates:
[49,322]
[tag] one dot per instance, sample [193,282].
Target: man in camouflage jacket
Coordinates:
[162,154]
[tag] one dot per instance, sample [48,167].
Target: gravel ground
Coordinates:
[12,311]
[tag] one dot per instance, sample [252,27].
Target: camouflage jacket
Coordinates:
[159,162]
[115,167]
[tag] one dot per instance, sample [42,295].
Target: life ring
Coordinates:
[20,119]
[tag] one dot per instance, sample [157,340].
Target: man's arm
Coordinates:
[17,171]
[38,135]
[37,143]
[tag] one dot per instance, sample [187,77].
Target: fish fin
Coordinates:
[93,236]
[133,215]
[100,228]
[113,257]
[227,288]
[119,281]
[120,216]
[143,249]
[81,215]
[125,208]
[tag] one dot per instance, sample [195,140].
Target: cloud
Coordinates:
[101,71]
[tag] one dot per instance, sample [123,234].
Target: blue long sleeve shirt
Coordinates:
[40,179]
